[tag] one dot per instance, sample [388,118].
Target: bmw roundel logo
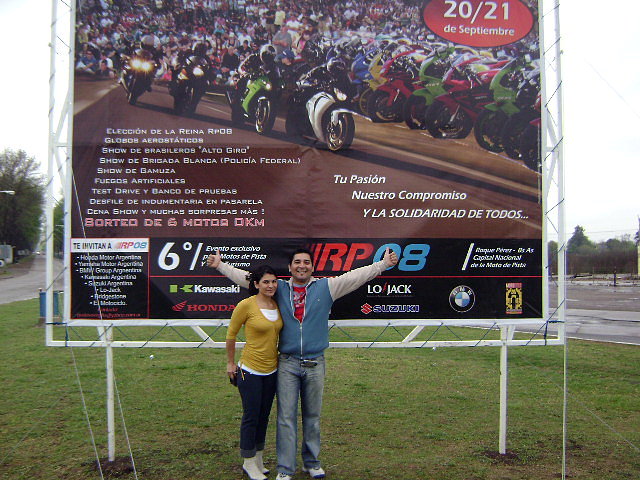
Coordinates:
[462,298]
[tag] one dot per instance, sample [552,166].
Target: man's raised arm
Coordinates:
[236,275]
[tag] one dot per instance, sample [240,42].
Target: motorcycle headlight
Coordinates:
[268,86]
[146,66]
[340,95]
[136,63]
[198,72]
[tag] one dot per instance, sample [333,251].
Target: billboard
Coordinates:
[347,128]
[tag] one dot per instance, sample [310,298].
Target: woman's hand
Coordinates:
[232,370]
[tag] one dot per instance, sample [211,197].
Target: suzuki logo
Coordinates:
[367,309]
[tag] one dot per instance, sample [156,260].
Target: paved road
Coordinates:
[27,278]
[599,312]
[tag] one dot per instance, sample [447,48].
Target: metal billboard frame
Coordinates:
[552,185]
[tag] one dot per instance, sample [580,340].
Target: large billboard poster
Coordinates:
[254,128]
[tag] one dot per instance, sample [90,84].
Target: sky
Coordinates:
[601,116]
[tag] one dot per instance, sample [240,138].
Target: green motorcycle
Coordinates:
[514,90]
[256,101]
[430,75]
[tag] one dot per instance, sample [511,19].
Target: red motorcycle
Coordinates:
[453,114]
[386,103]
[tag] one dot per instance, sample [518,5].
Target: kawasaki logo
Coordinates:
[203,289]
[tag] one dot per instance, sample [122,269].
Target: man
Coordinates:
[282,40]
[229,65]
[305,304]
[88,63]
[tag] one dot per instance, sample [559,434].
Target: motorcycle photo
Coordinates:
[527,99]
[453,114]
[510,98]
[531,141]
[189,81]
[376,57]
[320,107]
[430,82]
[137,75]
[386,103]
[256,96]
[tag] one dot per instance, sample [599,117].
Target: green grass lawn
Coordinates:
[388,413]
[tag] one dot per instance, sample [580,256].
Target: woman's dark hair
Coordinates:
[256,275]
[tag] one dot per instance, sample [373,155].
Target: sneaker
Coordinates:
[314,472]
[283,476]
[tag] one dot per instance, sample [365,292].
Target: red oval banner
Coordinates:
[478,23]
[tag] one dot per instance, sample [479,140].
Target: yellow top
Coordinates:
[260,352]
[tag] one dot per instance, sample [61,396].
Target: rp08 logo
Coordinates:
[411,258]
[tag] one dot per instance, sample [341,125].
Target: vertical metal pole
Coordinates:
[638,247]
[562,259]
[111,425]
[50,201]
[504,384]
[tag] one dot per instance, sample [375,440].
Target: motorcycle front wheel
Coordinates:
[530,147]
[132,96]
[443,123]
[339,135]
[379,110]
[415,112]
[265,115]
[363,100]
[512,133]
[488,130]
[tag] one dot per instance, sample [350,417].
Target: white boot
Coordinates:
[251,469]
[260,462]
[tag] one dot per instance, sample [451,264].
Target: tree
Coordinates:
[20,213]
[579,241]
[58,228]
[552,251]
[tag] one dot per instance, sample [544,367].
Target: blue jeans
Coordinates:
[257,392]
[307,383]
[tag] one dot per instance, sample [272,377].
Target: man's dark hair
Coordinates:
[300,250]
[257,274]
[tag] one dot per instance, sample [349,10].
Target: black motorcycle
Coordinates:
[189,83]
[137,75]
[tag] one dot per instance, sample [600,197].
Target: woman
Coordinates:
[255,373]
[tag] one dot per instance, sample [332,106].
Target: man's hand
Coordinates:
[214,259]
[390,258]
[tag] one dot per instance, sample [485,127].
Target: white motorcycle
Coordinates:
[321,110]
